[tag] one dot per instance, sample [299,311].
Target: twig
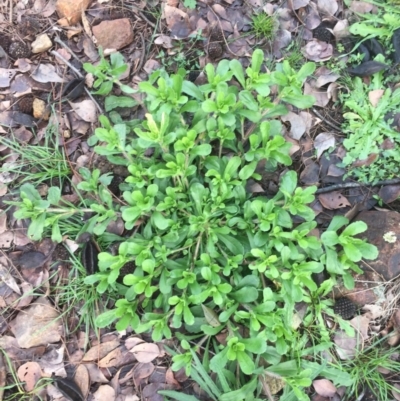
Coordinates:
[346,185]
[143,55]
[65,46]
[136,11]
[11,10]
[79,74]
[60,57]
[334,126]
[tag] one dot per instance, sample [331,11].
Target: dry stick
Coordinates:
[77,72]
[318,114]
[223,35]
[11,10]
[143,55]
[65,46]
[356,185]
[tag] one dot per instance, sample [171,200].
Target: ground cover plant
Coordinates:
[201,193]
[210,258]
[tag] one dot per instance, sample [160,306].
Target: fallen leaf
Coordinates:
[341,29]
[104,393]
[145,352]
[310,174]
[346,346]
[7,278]
[37,325]
[316,50]
[333,200]
[297,124]
[327,7]
[361,7]
[324,387]
[99,351]
[46,73]
[374,96]
[164,40]
[323,142]
[389,193]
[367,68]
[29,373]
[6,76]
[86,110]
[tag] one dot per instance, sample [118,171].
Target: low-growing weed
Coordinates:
[211,260]
[264,25]
[369,125]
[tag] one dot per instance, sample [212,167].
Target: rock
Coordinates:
[37,325]
[41,44]
[114,34]
[71,10]
[40,110]
[383,232]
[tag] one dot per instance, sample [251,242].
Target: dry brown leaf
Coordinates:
[164,40]
[145,352]
[346,346]
[323,142]
[327,7]
[86,110]
[361,7]
[104,393]
[46,73]
[316,50]
[389,193]
[297,124]
[341,29]
[324,387]
[30,373]
[6,75]
[324,76]
[6,241]
[99,351]
[374,96]
[95,374]
[333,200]
[37,325]
[82,380]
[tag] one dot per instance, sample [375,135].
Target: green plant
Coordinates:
[36,163]
[187,59]
[108,74]
[380,25]
[366,370]
[209,257]
[264,25]
[368,126]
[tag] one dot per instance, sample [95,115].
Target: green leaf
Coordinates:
[192,90]
[355,228]
[54,195]
[368,251]
[241,394]
[237,69]
[247,171]
[105,319]
[352,252]
[112,102]
[245,362]
[245,295]
[174,394]
[248,100]
[231,243]
[289,182]
[201,150]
